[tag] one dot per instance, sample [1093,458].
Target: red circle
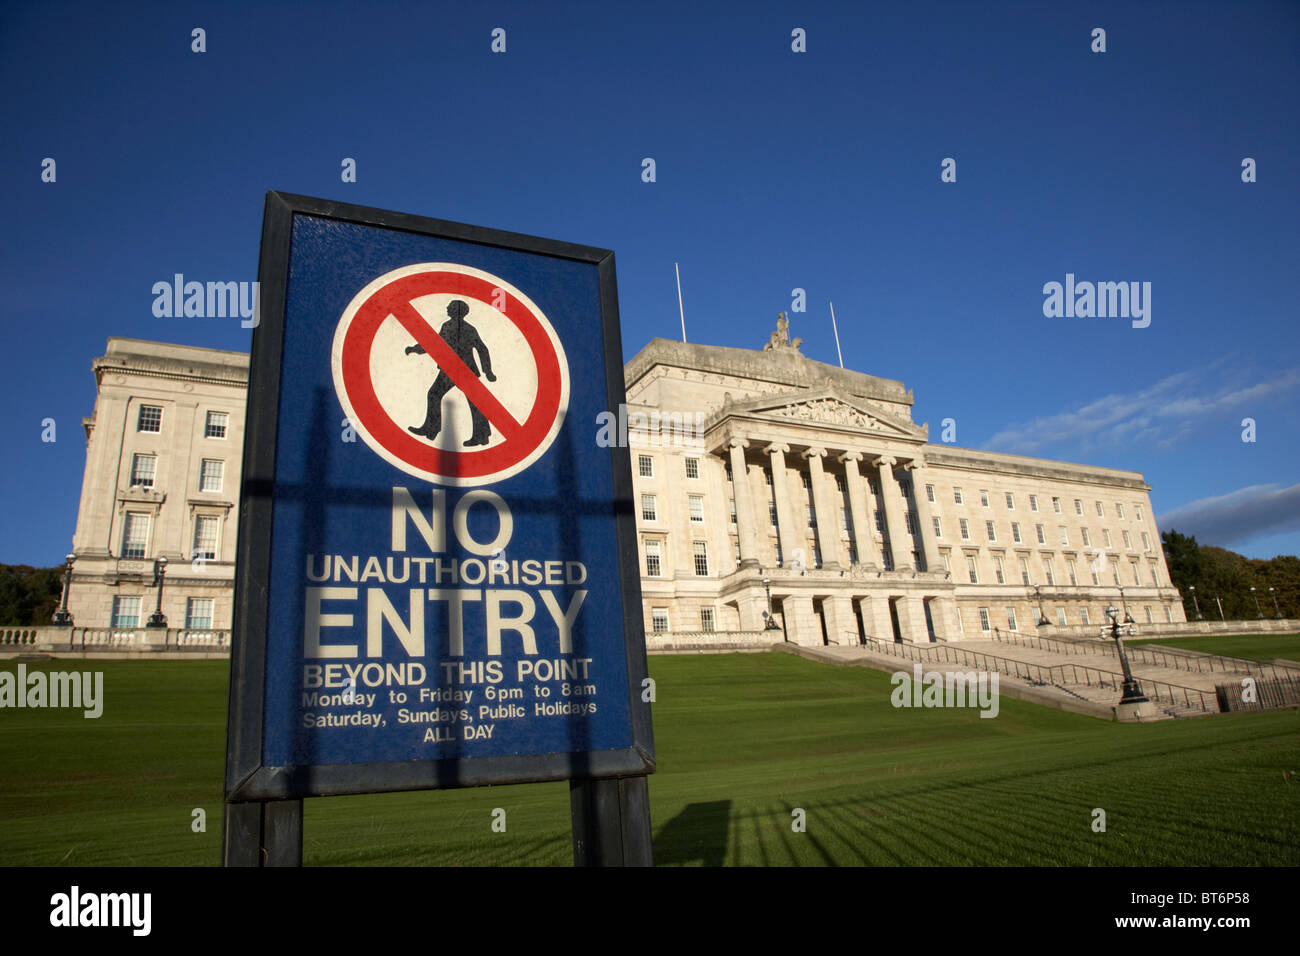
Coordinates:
[355,363]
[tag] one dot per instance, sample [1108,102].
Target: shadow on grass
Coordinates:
[698,833]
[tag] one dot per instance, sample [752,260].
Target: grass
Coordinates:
[1253,647]
[742,740]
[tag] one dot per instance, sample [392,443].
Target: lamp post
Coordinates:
[61,616]
[1256,597]
[1272,592]
[159,572]
[1199,615]
[1220,603]
[769,624]
[1042,616]
[1132,697]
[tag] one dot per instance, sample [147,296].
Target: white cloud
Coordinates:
[1241,514]
[1161,415]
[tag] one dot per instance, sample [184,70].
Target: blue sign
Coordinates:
[447,553]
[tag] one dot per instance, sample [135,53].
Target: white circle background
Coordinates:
[402,381]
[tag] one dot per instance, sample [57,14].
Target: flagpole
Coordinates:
[835,326]
[679,299]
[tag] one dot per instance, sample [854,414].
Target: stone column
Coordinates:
[925,526]
[801,623]
[828,518]
[785,527]
[911,620]
[895,527]
[857,489]
[744,505]
[841,625]
[879,625]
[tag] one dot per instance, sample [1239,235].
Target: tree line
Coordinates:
[1217,572]
[29,596]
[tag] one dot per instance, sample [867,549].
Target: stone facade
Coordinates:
[845,521]
[163,453]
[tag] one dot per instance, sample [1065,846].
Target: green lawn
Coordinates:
[742,741]
[1253,647]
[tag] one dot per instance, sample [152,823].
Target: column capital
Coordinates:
[884,461]
[813,453]
[850,456]
[914,465]
[776,448]
[741,443]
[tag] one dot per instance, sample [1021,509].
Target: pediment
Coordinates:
[826,407]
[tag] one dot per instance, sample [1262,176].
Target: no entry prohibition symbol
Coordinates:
[407,357]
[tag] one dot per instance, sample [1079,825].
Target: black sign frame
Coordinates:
[247,778]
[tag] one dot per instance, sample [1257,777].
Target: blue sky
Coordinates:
[775,170]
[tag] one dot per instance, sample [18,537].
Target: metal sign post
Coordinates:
[437,580]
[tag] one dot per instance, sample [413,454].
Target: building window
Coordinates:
[1100,513]
[1084,532]
[1011,502]
[736,542]
[1073,572]
[812,519]
[706,620]
[205,537]
[1119,510]
[839,484]
[1149,618]
[887,558]
[988,529]
[971,570]
[1083,615]
[767,477]
[805,480]
[150,419]
[1038,616]
[198,613]
[956,495]
[1114,567]
[905,485]
[731,511]
[696,507]
[779,556]
[853,553]
[1042,538]
[844,518]
[984,498]
[1155,577]
[1169,614]
[135,534]
[1060,616]
[943,557]
[965,528]
[1137,516]
[659,620]
[1093,567]
[817,556]
[1128,542]
[1056,505]
[692,468]
[646,466]
[210,474]
[1146,541]
[726,468]
[701,549]
[771,512]
[880,522]
[1024,571]
[648,511]
[1137,575]
[653,568]
[929,493]
[1047,571]
[997,570]
[918,561]
[1033,502]
[1078,506]
[143,468]
[215,426]
[984,620]
[1015,531]
[1011,619]
[1105,536]
[909,521]
[1065,535]
[938,528]
[874,484]
[126,612]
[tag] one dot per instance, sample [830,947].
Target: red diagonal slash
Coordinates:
[449,362]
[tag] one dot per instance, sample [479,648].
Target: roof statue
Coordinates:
[780,339]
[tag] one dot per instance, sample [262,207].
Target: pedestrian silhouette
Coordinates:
[464,340]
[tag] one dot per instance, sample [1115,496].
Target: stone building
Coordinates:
[772,491]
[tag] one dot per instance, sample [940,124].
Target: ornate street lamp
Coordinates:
[1220,603]
[1132,696]
[1275,607]
[61,617]
[1199,615]
[1042,616]
[769,623]
[159,571]
[1256,597]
